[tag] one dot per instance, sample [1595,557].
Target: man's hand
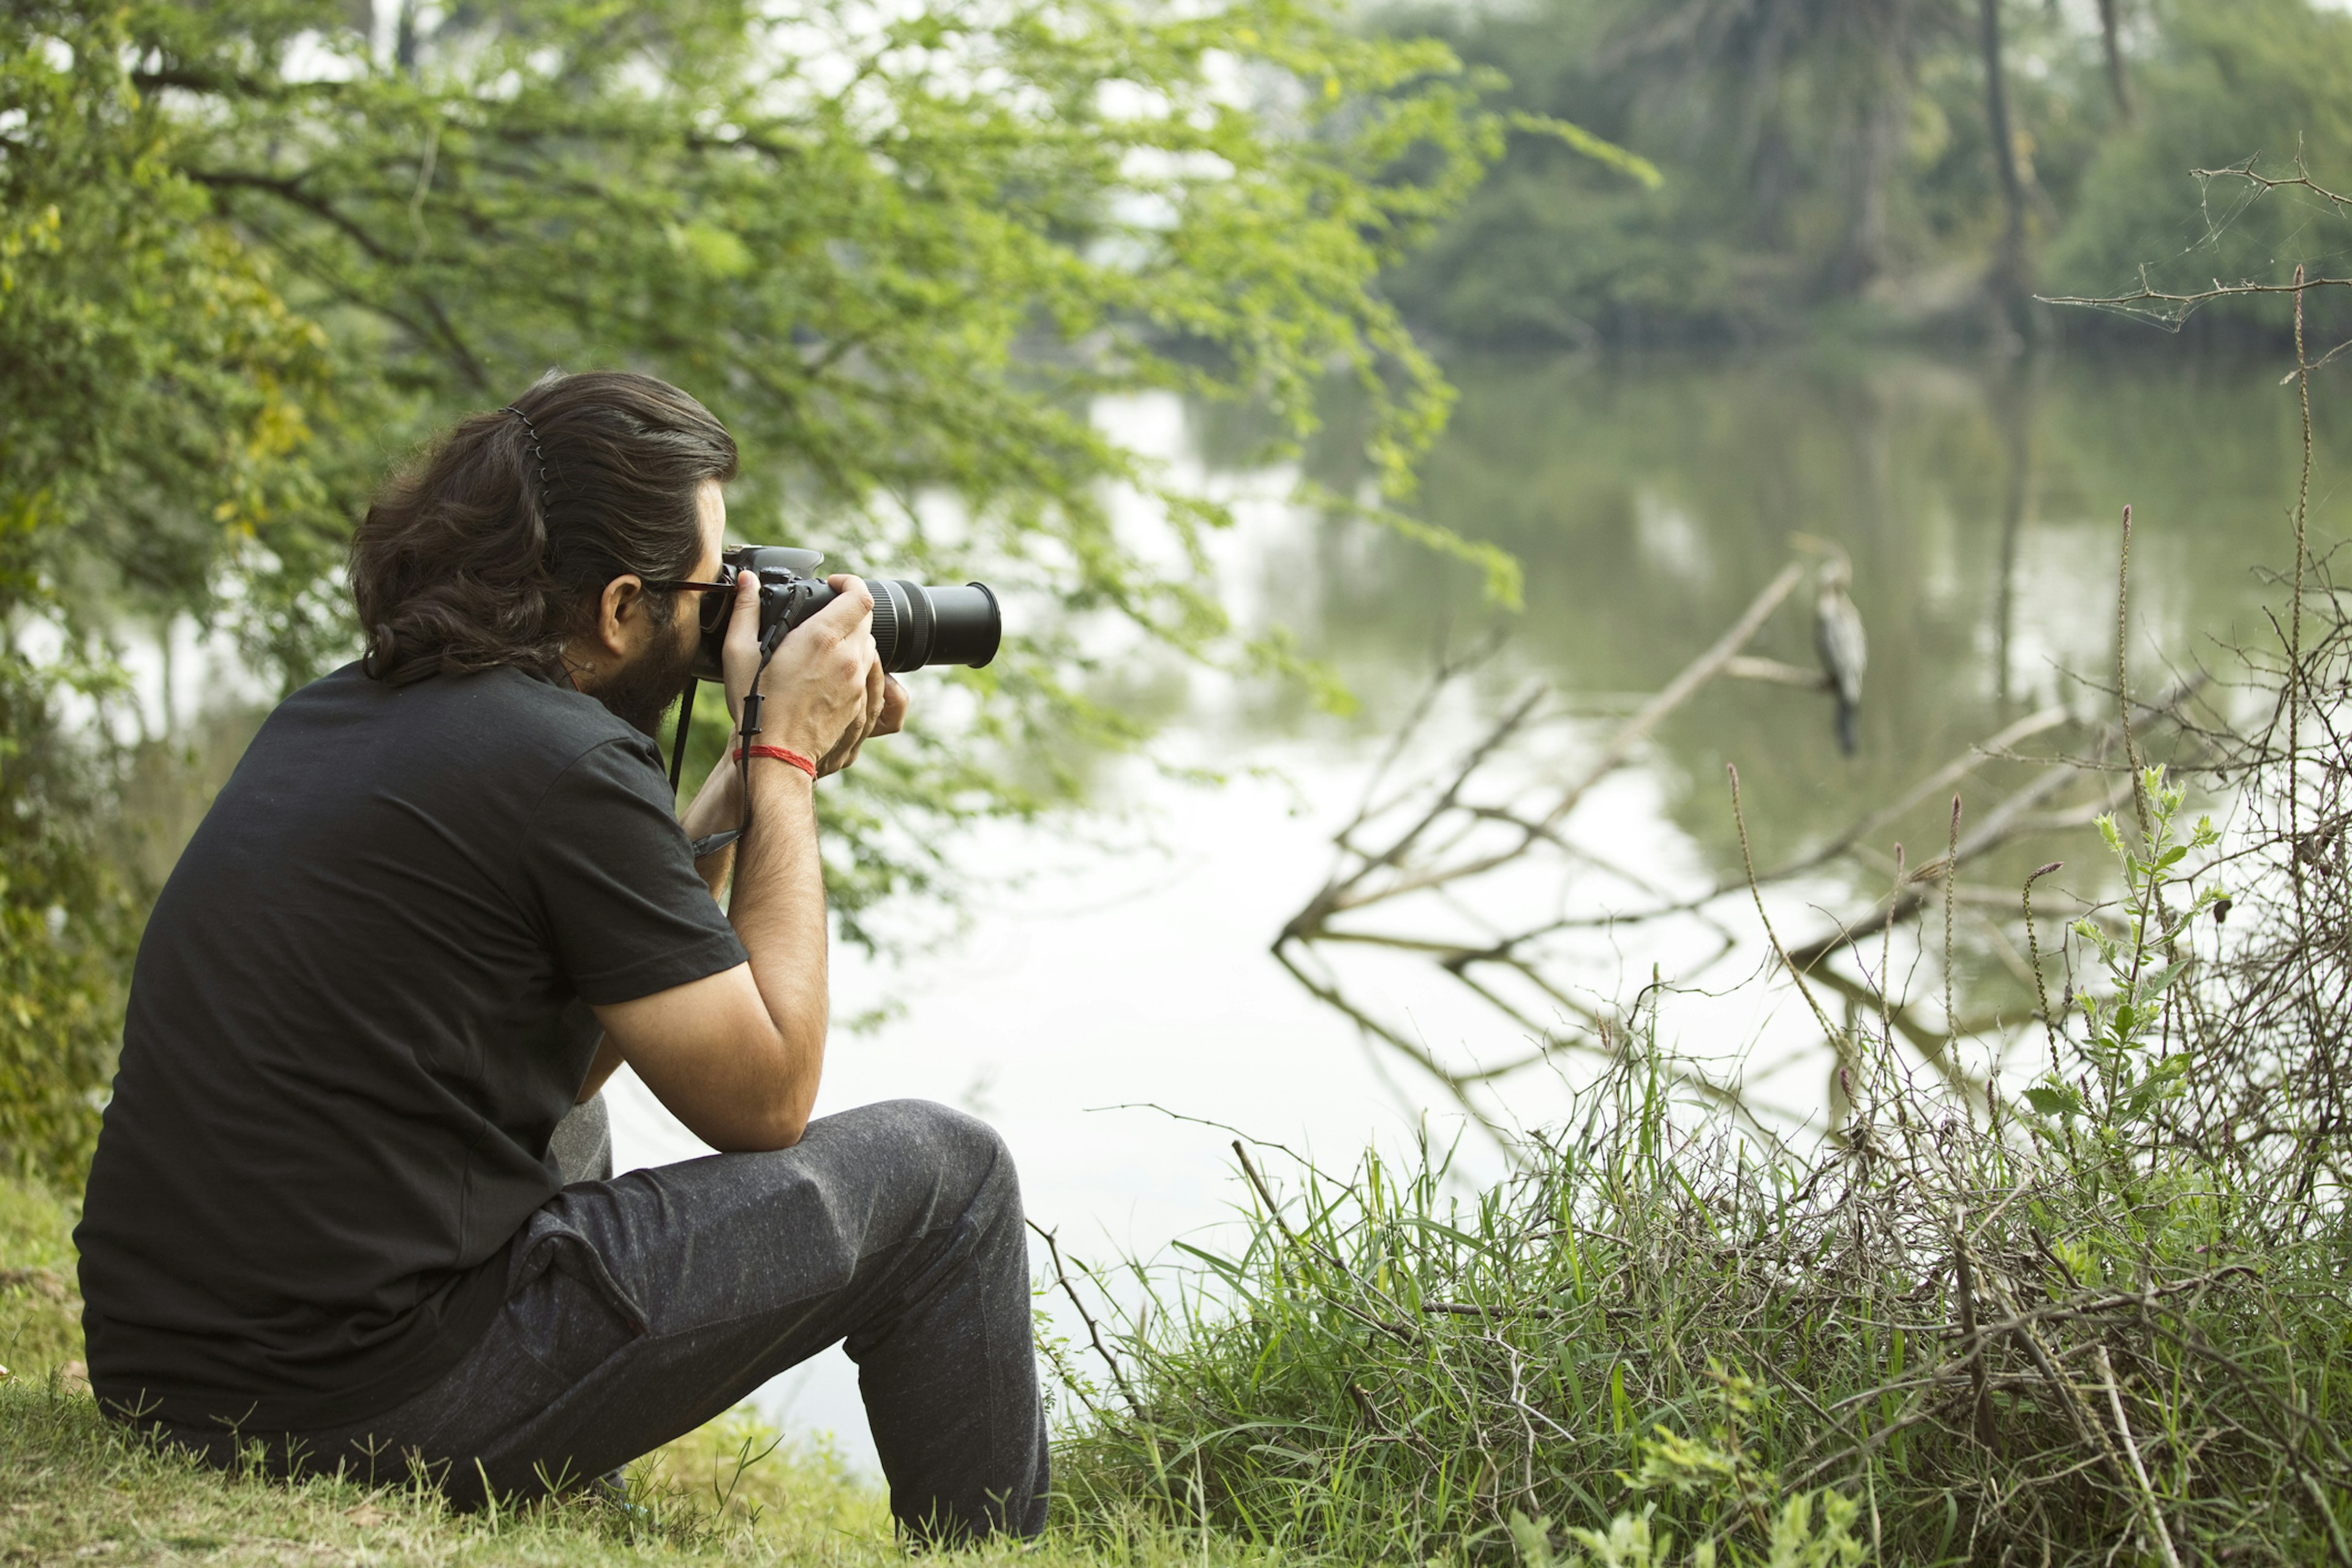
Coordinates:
[825,691]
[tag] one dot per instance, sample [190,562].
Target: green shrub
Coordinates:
[1966,1330]
[40,1307]
[68,926]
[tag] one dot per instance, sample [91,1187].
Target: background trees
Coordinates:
[1835,160]
[154,436]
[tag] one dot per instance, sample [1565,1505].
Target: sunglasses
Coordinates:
[714,610]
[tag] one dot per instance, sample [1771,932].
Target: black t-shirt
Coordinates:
[360,1008]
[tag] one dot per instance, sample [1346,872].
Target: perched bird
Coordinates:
[1837,637]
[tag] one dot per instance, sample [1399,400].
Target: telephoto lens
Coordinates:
[914,624]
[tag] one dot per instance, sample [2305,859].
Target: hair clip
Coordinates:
[532,430]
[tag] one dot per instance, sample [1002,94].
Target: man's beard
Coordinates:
[641,691]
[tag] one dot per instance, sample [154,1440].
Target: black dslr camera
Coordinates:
[913,625]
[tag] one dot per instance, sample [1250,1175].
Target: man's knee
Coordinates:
[967,1156]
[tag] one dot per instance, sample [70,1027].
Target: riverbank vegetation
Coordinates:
[2086,1305]
[1837,167]
[2063,1283]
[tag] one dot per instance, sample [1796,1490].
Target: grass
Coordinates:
[1647,1330]
[80,1488]
[2092,1325]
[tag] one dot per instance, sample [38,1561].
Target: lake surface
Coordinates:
[1117,979]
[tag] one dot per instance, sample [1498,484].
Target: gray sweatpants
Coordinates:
[641,1306]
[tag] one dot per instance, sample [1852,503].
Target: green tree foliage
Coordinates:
[150,414]
[1833,156]
[2242,81]
[1814,151]
[255,251]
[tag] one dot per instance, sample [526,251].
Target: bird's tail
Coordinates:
[1849,741]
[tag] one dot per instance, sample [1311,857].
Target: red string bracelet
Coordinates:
[781,755]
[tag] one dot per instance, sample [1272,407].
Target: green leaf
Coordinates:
[1533,1539]
[2054,1100]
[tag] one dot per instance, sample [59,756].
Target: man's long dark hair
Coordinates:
[467,561]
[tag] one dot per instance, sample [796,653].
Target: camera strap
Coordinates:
[685,728]
[713,843]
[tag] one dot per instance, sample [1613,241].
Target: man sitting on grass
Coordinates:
[443,897]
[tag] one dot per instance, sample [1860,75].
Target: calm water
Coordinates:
[1127,968]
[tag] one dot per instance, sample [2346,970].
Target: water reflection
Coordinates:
[1980,508]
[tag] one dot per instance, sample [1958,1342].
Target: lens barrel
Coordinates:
[915,626]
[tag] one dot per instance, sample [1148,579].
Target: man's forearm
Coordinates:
[717,807]
[778,914]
